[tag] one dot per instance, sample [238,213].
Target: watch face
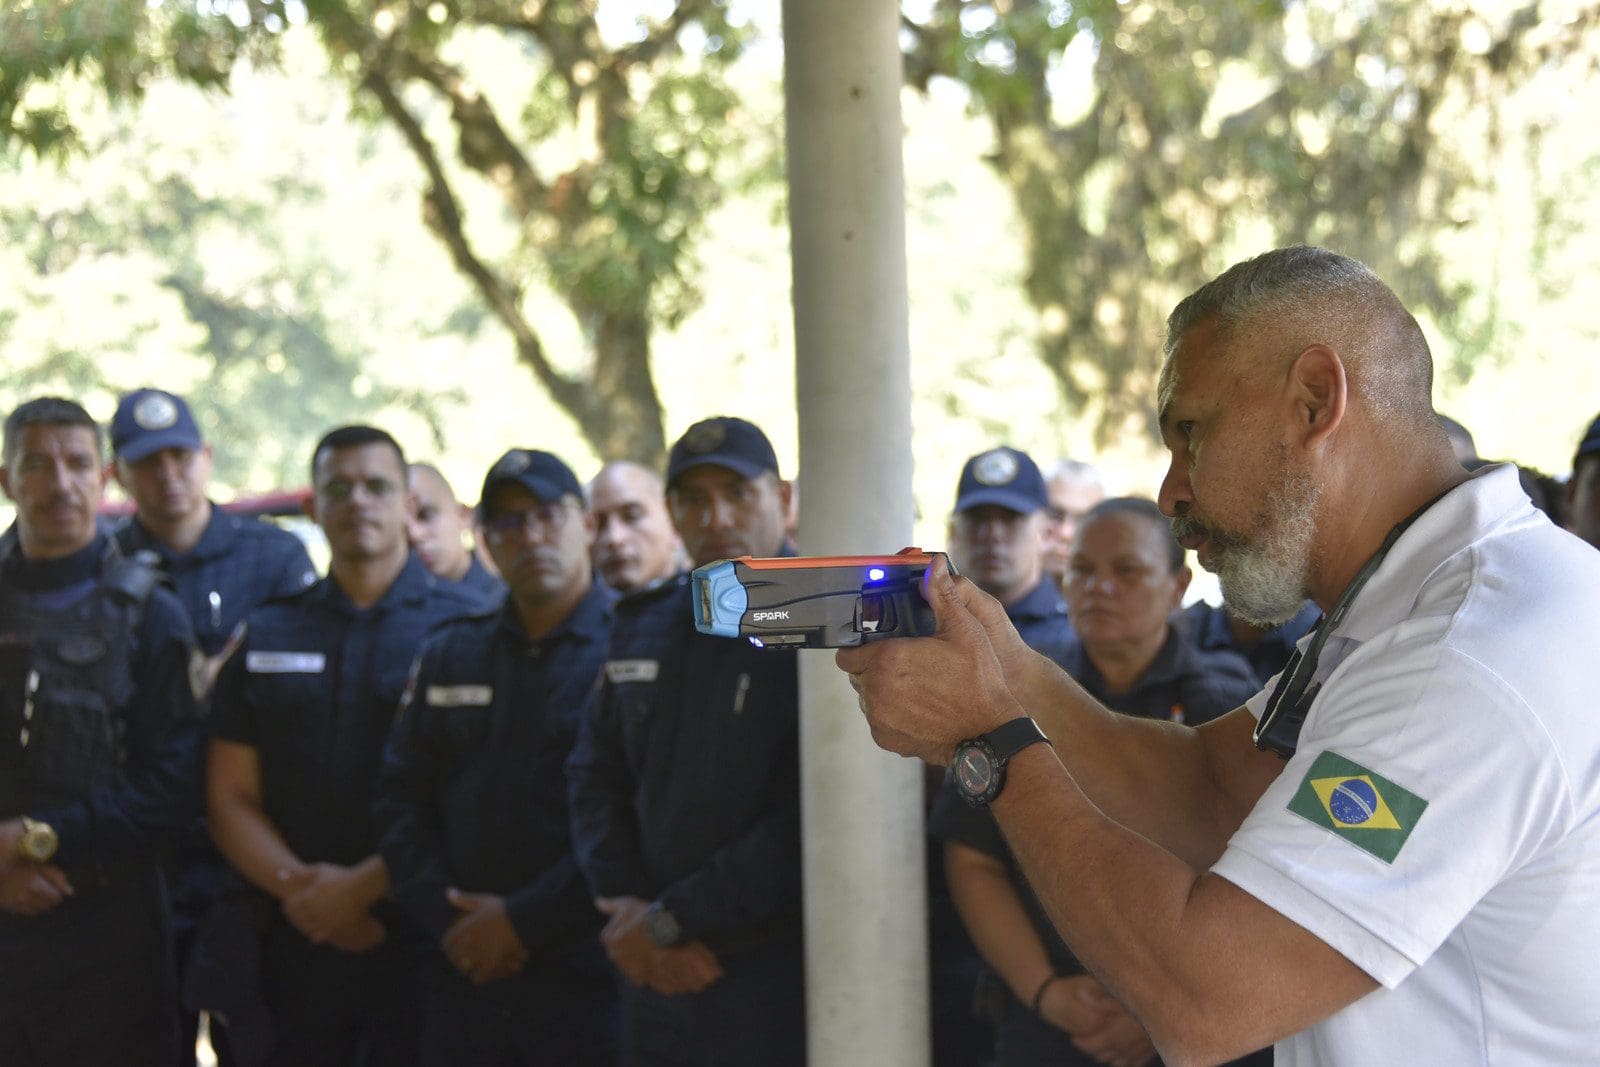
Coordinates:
[974,771]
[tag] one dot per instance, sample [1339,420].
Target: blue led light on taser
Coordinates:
[875,574]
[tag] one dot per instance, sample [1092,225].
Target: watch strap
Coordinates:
[1012,737]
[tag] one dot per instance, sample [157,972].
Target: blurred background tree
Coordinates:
[1149,143]
[600,150]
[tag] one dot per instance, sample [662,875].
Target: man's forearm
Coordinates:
[1188,952]
[250,842]
[1157,778]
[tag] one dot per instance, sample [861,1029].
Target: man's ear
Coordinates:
[115,467]
[308,505]
[5,483]
[1319,392]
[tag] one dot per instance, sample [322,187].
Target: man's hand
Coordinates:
[1117,1039]
[669,971]
[30,889]
[324,900]
[482,944]
[624,938]
[364,935]
[685,969]
[1065,1007]
[923,696]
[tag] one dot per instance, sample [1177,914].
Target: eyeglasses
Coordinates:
[539,519]
[342,489]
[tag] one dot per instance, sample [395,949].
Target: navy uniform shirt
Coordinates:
[1183,684]
[473,794]
[237,564]
[1041,621]
[117,827]
[685,779]
[313,686]
[1207,626]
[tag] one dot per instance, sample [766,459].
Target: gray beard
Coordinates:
[1265,583]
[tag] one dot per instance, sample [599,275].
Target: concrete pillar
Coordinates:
[866,943]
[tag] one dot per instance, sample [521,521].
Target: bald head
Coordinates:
[634,541]
[1276,305]
[439,523]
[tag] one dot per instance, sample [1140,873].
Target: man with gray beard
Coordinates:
[1391,856]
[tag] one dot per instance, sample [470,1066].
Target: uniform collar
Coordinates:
[1170,664]
[45,574]
[590,619]
[215,540]
[409,589]
[1041,602]
[1489,500]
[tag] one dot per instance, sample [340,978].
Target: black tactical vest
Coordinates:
[65,679]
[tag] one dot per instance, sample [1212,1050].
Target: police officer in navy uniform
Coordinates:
[220,566]
[999,536]
[473,801]
[300,714]
[99,738]
[438,530]
[1125,575]
[685,790]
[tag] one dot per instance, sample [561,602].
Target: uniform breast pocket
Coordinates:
[465,730]
[291,712]
[73,741]
[632,705]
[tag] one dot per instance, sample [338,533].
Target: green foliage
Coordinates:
[608,221]
[157,266]
[1148,143]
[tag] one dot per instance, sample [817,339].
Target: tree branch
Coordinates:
[442,213]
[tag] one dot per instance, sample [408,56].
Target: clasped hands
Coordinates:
[1096,1021]
[328,904]
[686,968]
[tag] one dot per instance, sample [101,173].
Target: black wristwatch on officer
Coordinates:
[662,927]
[979,766]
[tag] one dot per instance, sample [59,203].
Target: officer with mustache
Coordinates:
[473,802]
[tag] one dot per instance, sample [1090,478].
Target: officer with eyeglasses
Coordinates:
[300,715]
[472,805]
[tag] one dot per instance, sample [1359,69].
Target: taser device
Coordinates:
[814,601]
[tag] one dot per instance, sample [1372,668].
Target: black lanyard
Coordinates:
[1290,703]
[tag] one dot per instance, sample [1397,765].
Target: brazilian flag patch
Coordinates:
[1365,809]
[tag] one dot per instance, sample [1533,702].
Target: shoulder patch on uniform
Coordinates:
[459,696]
[623,671]
[1366,809]
[285,662]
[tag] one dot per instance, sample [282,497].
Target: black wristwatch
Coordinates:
[979,767]
[662,927]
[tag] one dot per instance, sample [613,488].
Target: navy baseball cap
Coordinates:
[1003,477]
[1590,445]
[727,442]
[540,473]
[148,420]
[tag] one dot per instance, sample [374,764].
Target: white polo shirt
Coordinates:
[1439,824]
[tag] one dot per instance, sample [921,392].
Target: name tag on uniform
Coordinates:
[622,671]
[285,662]
[459,696]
